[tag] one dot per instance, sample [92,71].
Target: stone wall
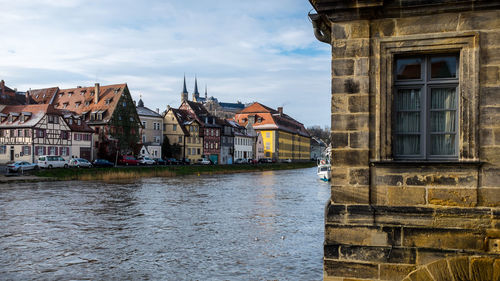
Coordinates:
[390,220]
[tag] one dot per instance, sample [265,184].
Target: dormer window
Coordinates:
[117,90]
[61,94]
[70,94]
[87,103]
[79,122]
[108,101]
[65,105]
[77,104]
[92,93]
[82,93]
[10,118]
[70,121]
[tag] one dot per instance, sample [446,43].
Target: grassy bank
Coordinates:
[162,171]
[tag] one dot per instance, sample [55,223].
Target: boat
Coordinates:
[324,168]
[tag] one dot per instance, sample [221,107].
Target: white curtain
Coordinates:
[407,105]
[442,121]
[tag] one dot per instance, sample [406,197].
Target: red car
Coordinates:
[128,160]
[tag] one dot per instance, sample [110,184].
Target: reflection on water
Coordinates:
[266,225]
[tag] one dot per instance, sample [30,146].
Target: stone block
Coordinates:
[460,268]
[350,269]
[490,54]
[404,215]
[339,104]
[378,254]
[358,104]
[477,21]
[343,67]
[421,275]
[481,268]
[335,213]
[443,238]
[338,31]
[425,256]
[489,196]
[466,197]
[359,176]
[350,157]
[490,74]
[350,48]
[389,180]
[405,196]
[490,95]
[378,195]
[382,28]
[486,136]
[359,139]
[393,234]
[395,272]
[349,122]
[349,194]
[491,154]
[331,251]
[489,115]
[439,270]
[418,180]
[355,235]
[362,67]
[427,24]
[339,140]
[360,214]
[468,218]
[339,176]
[358,29]
[490,177]
[496,132]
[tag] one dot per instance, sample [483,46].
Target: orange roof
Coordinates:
[36,111]
[82,99]
[42,96]
[270,119]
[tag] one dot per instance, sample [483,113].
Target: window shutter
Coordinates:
[29,150]
[44,150]
[74,136]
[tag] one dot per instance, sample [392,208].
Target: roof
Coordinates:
[37,111]
[83,127]
[81,99]
[267,118]
[45,95]
[181,116]
[144,111]
[232,105]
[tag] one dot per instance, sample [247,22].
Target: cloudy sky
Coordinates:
[246,51]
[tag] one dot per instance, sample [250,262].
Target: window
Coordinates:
[3,149]
[144,124]
[26,150]
[268,146]
[425,107]
[180,139]
[268,135]
[216,133]
[198,151]
[143,138]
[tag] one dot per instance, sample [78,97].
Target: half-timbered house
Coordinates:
[30,130]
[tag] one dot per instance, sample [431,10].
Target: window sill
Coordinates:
[422,163]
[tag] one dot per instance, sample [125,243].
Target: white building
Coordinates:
[152,134]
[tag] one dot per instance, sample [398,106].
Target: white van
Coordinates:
[51,161]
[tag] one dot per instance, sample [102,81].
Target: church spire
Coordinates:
[206,94]
[196,93]
[184,94]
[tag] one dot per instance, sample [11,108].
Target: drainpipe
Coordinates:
[321,28]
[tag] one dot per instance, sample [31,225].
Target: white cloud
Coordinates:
[243,50]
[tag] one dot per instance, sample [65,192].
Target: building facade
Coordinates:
[152,130]
[415,185]
[283,137]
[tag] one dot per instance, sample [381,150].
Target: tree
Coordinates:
[170,150]
[126,127]
[322,134]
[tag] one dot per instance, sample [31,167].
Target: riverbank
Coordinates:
[117,173]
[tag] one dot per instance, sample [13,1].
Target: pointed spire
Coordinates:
[184,91]
[206,93]
[196,87]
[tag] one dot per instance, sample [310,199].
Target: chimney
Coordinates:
[2,85]
[158,110]
[280,110]
[168,107]
[96,96]
[28,97]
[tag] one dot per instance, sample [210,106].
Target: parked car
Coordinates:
[20,166]
[80,163]
[128,160]
[287,160]
[159,161]
[50,161]
[240,161]
[203,161]
[265,160]
[173,161]
[102,163]
[252,161]
[146,161]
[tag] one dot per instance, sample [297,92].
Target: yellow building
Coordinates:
[283,137]
[181,129]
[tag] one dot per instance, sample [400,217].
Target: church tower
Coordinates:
[184,94]
[196,94]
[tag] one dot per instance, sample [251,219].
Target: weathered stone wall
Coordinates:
[389,220]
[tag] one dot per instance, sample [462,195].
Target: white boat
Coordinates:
[324,170]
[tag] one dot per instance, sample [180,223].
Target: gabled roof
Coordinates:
[181,116]
[37,111]
[82,99]
[144,111]
[267,118]
[42,96]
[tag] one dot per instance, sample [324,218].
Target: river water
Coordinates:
[250,226]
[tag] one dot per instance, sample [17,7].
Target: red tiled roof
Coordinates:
[43,96]
[82,99]
[268,118]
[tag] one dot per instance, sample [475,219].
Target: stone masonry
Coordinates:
[411,220]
